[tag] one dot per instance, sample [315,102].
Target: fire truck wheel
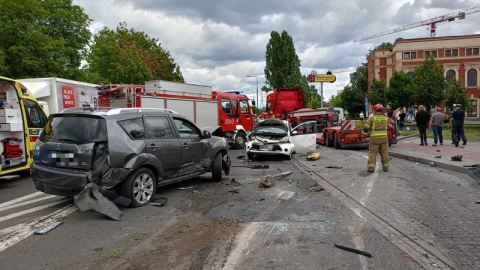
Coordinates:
[240,141]
[328,141]
[217,168]
[336,144]
[140,187]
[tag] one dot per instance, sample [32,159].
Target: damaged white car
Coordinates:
[275,137]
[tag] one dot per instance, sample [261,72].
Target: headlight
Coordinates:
[284,140]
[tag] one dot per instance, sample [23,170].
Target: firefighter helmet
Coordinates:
[378,107]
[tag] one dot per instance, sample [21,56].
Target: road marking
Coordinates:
[31,210]
[28,202]
[24,198]
[14,234]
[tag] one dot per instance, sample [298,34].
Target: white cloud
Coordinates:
[218,43]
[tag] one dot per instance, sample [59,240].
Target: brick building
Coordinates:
[459,57]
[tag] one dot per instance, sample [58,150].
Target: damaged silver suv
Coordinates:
[128,151]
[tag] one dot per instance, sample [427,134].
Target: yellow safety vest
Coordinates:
[378,125]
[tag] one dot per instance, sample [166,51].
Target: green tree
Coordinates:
[282,67]
[41,38]
[377,92]
[352,100]
[400,92]
[359,79]
[336,101]
[429,84]
[129,56]
[456,94]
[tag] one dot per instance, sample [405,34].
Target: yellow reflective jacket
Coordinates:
[377,125]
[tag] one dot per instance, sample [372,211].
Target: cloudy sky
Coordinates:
[218,43]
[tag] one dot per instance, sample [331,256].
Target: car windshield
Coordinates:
[269,127]
[74,129]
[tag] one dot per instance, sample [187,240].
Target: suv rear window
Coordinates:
[74,129]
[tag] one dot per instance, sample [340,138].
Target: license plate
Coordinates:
[350,136]
[263,147]
[62,155]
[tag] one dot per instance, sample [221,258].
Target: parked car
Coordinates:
[275,137]
[130,151]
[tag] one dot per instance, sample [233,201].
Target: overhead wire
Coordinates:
[351,31]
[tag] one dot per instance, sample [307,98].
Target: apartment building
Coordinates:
[459,56]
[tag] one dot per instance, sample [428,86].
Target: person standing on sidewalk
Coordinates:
[376,125]
[456,121]
[436,122]
[422,118]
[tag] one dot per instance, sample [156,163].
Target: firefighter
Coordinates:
[376,126]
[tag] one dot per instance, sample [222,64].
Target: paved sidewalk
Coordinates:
[441,155]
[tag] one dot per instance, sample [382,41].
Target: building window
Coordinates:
[472,51]
[411,74]
[410,55]
[473,111]
[430,53]
[472,77]
[451,53]
[450,76]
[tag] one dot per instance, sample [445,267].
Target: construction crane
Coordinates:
[431,22]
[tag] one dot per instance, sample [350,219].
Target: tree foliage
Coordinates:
[129,56]
[456,94]
[41,38]
[359,78]
[400,92]
[429,84]
[352,100]
[336,101]
[282,67]
[377,92]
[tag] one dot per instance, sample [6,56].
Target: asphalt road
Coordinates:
[236,224]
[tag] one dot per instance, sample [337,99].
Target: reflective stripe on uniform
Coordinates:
[377,119]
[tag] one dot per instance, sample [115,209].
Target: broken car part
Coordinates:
[364,253]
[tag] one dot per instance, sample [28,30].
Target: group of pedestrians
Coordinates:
[436,122]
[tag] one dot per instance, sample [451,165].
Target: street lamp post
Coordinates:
[256,77]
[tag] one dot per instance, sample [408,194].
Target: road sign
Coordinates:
[325,78]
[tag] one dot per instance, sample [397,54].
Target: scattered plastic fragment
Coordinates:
[364,253]
[48,228]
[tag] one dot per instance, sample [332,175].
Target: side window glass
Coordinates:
[133,127]
[158,127]
[36,118]
[226,106]
[186,129]
[244,107]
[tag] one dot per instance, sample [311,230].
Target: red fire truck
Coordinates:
[231,111]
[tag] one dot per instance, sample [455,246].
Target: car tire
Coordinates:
[289,157]
[336,144]
[140,187]
[217,168]
[250,155]
[240,140]
[328,141]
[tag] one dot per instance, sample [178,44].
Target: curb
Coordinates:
[427,162]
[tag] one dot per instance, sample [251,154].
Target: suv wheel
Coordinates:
[140,187]
[217,168]
[240,141]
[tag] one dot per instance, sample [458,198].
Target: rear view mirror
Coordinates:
[206,134]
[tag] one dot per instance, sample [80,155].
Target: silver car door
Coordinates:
[304,136]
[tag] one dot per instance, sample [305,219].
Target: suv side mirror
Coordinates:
[206,134]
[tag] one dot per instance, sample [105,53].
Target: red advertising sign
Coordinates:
[68,94]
